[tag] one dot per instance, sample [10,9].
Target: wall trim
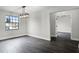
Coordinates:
[6,38]
[38,37]
[75,39]
[78,45]
[53,35]
[24,36]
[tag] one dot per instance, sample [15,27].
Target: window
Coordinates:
[12,23]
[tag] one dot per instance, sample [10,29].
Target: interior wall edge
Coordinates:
[39,37]
[4,38]
[76,39]
[53,35]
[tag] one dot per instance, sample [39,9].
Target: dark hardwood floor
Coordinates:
[64,42]
[64,36]
[27,44]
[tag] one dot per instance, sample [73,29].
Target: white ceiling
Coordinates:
[36,8]
[19,8]
[9,8]
[62,8]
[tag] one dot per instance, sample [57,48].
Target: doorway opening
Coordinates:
[63,26]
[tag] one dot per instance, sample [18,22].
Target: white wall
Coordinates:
[38,24]
[9,34]
[75,23]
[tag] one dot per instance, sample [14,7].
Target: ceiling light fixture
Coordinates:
[24,14]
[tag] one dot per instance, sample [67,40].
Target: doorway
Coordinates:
[63,25]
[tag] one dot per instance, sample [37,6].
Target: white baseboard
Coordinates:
[78,45]
[54,35]
[76,39]
[38,37]
[4,38]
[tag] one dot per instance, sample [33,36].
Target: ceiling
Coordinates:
[17,9]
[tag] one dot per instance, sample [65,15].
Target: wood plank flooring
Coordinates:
[64,36]
[27,44]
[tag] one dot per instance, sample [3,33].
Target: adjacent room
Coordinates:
[39,29]
[63,25]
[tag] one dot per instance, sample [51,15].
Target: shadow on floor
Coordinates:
[64,42]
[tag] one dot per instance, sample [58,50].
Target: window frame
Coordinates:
[12,22]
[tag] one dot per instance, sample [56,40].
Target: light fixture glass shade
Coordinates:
[24,14]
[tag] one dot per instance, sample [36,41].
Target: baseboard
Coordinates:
[53,35]
[78,45]
[39,37]
[7,38]
[75,39]
[13,37]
